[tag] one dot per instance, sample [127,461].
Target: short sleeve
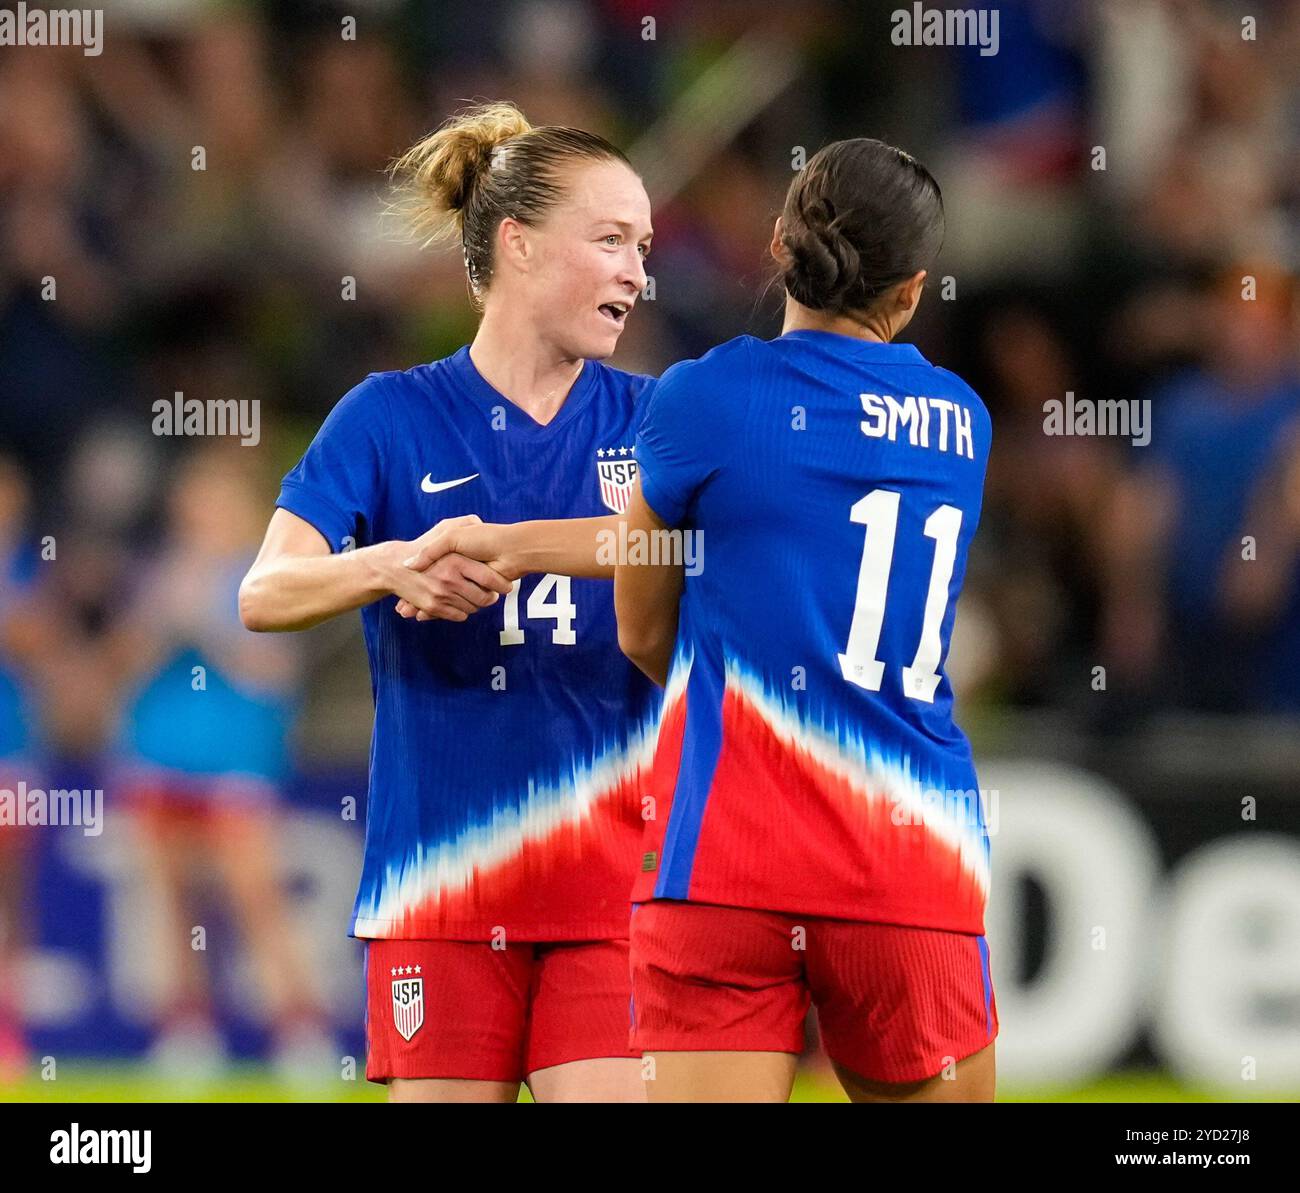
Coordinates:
[681,442]
[337,485]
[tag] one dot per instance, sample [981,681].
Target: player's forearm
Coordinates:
[646,603]
[296,592]
[566,546]
[651,655]
[647,597]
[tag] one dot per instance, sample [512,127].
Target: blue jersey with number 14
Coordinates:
[507,749]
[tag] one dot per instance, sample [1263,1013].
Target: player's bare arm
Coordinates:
[569,546]
[646,598]
[296,582]
[565,546]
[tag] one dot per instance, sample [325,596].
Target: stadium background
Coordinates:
[1115,176]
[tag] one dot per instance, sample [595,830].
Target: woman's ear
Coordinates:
[513,247]
[779,252]
[909,293]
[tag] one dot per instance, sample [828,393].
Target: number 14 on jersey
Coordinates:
[561,610]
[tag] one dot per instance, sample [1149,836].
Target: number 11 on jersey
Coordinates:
[878,511]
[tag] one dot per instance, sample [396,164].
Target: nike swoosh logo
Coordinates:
[429,485]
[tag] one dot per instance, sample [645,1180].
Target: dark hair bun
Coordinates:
[860,217]
[826,265]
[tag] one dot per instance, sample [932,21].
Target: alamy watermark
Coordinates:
[1129,418]
[59,807]
[216,416]
[970,808]
[635,548]
[86,1145]
[54,27]
[921,26]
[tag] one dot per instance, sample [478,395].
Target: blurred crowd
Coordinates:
[197,210]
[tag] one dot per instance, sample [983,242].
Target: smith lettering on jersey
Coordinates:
[509,749]
[887,415]
[809,762]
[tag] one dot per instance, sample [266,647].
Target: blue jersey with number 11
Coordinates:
[808,760]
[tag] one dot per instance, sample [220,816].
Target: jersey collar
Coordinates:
[901,354]
[474,383]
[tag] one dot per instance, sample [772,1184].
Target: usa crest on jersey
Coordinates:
[617,476]
[408,1005]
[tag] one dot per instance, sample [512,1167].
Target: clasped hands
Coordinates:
[451,571]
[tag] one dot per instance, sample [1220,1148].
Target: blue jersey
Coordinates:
[507,748]
[809,762]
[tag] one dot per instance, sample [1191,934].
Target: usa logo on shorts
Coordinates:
[408,1005]
[617,476]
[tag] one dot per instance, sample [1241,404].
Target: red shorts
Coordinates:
[452,1008]
[894,1004]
